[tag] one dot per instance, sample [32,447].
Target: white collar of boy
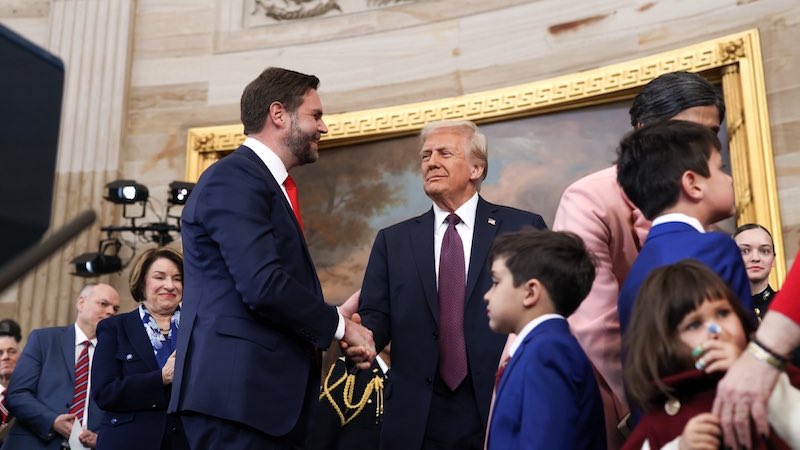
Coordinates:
[465,212]
[679,217]
[528,328]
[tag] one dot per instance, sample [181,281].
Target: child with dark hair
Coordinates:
[673,171]
[547,396]
[687,329]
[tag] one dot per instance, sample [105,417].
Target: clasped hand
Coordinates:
[357,343]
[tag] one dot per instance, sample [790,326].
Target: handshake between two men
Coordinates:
[357,343]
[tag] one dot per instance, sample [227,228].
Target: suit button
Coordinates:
[114,421]
[128,357]
[435,335]
[428,381]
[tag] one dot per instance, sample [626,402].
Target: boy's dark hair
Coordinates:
[654,349]
[558,259]
[652,160]
[273,85]
[10,328]
[671,93]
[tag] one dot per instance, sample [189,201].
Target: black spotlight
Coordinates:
[126,192]
[94,264]
[179,191]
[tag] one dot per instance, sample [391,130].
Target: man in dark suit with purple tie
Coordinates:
[423,291]
[253,317]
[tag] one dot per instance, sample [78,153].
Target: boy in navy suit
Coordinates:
[673,172]
[547,396]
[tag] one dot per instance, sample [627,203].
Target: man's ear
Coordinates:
[533,293]
[277,115]
[693,185]
[476,171]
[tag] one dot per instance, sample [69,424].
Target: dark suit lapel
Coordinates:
[486,226]
[138,337]
[68,347]
[421,240]
[273,184]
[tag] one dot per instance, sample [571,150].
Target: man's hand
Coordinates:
[357,343]
[88,438]
[168,371]
[350,306]
[702,432]
[742,394]
[63,424]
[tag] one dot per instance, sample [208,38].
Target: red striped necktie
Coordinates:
[81,383]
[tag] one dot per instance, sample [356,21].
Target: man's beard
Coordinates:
[299,143]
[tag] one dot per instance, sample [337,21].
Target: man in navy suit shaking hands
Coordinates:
[253,316]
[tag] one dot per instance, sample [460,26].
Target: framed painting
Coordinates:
[542,136]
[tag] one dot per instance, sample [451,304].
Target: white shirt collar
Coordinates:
[679,217]
[80,337]
[528,328]
[270,159]
[465,212]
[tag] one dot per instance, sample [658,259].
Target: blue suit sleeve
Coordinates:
[116,391]
[22,397]
[724,257]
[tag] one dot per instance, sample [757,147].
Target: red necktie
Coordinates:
[452,292]
[5,417]
[81,383]
[291,190]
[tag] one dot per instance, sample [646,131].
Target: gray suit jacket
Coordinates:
[41,389]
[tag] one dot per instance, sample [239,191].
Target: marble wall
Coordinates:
[186,62]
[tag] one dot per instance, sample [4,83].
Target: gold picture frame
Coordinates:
[734,61]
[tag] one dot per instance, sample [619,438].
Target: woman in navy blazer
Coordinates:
[135,358]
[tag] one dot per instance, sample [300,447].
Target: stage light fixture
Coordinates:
[126,192]
[102,262]
[179,191]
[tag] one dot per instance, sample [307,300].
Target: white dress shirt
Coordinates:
[528,328]
[679,217]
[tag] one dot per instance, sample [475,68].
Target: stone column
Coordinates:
[93,37]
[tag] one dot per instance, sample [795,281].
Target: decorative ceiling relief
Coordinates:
[273,11]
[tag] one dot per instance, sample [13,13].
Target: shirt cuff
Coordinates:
[339,328]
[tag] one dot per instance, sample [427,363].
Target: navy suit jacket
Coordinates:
[253,315]
[399,303]
[548,397]
[41,389]
[126,383]
[671,242]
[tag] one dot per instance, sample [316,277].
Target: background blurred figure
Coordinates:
[10,335]
[134,390]
[758,253]
[49,390]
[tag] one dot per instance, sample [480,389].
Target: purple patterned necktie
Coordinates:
[452,292]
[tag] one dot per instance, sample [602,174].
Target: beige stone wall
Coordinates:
[190,59]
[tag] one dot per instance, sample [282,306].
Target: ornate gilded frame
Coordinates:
[734,60]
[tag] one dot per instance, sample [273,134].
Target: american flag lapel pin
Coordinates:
[492,221]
